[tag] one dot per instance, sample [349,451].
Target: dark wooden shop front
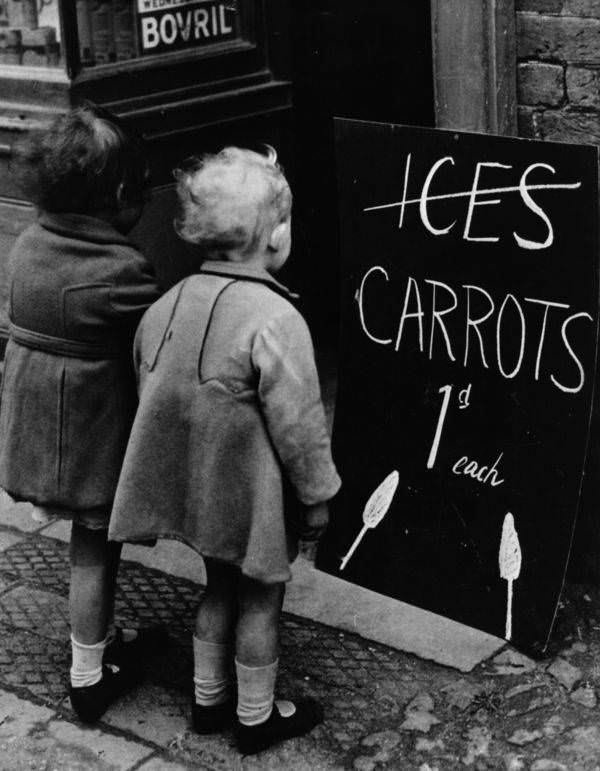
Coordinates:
[193,75]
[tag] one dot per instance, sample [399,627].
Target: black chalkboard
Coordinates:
[467,365]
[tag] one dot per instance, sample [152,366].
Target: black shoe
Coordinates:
[211,720]
[92,701]
[256,738]
[149,642]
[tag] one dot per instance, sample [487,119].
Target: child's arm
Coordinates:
[290,398]
[134,289]
[316,519]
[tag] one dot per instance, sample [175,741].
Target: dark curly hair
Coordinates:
[79,161]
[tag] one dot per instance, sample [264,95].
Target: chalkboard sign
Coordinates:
[467,365]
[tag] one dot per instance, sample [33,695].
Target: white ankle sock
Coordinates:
[256,686]
[86,666]
[212,680]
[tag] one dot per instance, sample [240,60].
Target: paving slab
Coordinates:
[8,539]
[17,515]
[152,713]
[34,663]
[18,716]
[100,750]
[60,530]
[4,584]
[330,600]
[33,737]
[43,613]
[160,764]
[43,562]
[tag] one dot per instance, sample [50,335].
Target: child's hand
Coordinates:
[316,519]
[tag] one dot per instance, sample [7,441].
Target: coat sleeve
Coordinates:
[134,289]
[290,399]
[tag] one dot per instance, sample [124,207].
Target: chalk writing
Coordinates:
[375,510]
[447,391]
[509,561]
[483,474]
[421,310]
[474,195]
[468,358]
[464,398]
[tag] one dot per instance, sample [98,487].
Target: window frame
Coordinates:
[242,56]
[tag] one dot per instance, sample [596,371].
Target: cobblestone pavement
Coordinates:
[384,709]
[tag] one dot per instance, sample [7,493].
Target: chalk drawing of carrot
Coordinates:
[509,561]
[375,510]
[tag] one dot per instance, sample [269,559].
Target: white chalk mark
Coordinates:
[482,191]
[509,560]
[406,176]
[375,510]
[447,391]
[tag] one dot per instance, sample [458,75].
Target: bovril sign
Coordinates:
[169,25]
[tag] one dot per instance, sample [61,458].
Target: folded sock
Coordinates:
[256,686]
[86,665]
[212,679]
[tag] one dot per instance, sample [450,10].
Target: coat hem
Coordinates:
[142,536]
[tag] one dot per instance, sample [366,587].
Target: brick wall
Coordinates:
[558,71]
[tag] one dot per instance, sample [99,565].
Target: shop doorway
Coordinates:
[356,59]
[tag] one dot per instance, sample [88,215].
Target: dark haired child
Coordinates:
[230,430]
[78,290]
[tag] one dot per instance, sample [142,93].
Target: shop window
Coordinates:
[120,30]
[30,33]
[171,65]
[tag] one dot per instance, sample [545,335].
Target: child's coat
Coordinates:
[230,413]
[78,290]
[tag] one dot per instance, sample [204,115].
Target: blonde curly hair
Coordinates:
[231,200]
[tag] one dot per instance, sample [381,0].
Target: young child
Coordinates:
[78,290]
[229,434]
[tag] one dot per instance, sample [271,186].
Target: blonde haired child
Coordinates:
[229,451]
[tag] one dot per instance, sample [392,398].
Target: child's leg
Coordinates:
[262,722]
[94,565]
[257,648]
[213,639]
[91,596]
[260,605]
[217,614]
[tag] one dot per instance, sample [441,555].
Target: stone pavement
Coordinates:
[384,708]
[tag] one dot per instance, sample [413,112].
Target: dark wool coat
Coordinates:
[230,413]
[78,290]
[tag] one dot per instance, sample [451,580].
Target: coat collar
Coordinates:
[82,227]
[241,271]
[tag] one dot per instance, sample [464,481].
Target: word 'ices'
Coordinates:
[478,196]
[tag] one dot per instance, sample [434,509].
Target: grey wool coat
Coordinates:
[78,290]
[230,415]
